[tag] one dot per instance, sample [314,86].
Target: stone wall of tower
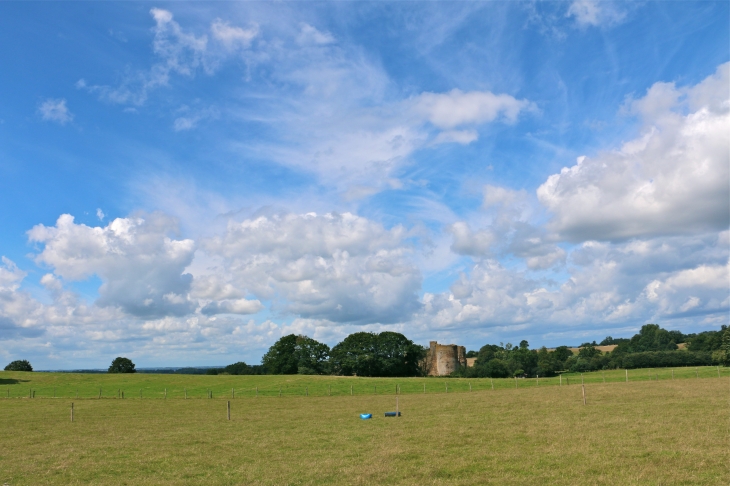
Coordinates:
[444,359]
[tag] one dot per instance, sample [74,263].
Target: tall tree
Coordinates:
[122,365]
[294,354]
[356,354]
[19,365]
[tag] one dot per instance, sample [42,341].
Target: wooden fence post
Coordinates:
[122,394]
[229,409]
[561,380]
[77,393]
[627,375]
[491,380]
[257,392]
[233,393]
[470,386]
[697,373]
[515,382]
[279,390]
[99,392]
[397,413]
[603,373]
[186,393]
[538,379]
[424,388]
[72,411]
[165,393]
[672,374]
[307,391]
[329,390]
[718,372]
[584,394]
[350,390]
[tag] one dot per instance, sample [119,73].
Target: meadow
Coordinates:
[651,430]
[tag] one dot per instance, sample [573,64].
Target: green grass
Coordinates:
[87,385]
[641,432]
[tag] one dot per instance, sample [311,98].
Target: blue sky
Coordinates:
[184,183]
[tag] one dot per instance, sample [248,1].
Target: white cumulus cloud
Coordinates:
[140,265]
[673,179]
[455,108]
[337,267]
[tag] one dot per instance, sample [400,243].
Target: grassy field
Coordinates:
[643,432]
[86,385]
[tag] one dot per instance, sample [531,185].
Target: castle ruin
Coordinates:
[444,359]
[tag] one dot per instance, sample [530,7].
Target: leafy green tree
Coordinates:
[122,365]
[19,365]
[238,368]
[547,363]
[706,341]
[487,353]
[609,341]
[562,353]
[294,354]
[497,368]
[723,354]
[472,354]
[312,356]
[588,352]
[281,358]
[356,355]
[523,359]
[650,338]
[370,354]
[398,355]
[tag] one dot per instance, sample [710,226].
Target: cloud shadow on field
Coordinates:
[11,381]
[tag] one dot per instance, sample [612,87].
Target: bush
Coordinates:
[122,365]
[19,365]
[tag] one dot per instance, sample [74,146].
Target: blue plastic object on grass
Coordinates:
[366,416]
[392,414]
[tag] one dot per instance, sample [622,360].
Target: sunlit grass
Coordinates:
[71,385]
[644,432]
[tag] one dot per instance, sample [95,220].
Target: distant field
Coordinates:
[641,432]
[67,385]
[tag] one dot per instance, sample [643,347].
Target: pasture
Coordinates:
[651,430]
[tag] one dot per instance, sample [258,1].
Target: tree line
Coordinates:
[652,347]
[390,354]
[361,354]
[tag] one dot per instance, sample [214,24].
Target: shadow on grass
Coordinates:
[11,381]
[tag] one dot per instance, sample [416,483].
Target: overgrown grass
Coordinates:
[641,432]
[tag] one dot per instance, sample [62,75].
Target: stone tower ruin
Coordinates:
[444,359]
